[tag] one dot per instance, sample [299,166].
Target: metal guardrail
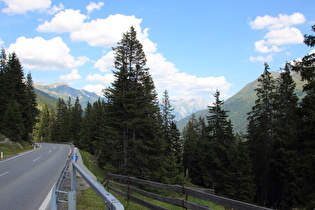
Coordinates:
[111,202]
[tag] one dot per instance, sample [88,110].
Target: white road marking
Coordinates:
[49,151]
[5,173]
[46,202]
[37,158]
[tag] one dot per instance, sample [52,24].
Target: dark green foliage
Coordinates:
[173,169]
[43,128]
[305,144]
[17,91]
[194,137]
[260,133]
[13,121]
[75,121]
[133,110]
[213,157]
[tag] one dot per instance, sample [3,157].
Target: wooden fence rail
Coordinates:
[174,201]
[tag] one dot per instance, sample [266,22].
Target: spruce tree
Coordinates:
[31,109]
[134,111]
[43,127]
[219,147]
[306,128]
[193,137]
[261,132]
[283,151]
[173,171]
[75,121]
[13,121]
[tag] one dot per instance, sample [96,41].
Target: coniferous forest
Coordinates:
[131,133]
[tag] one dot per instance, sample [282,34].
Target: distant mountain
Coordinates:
[241,103]
[63,90]
[184,107]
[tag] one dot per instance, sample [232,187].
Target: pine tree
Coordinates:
[31,109]
[133,110]
[173,171]
[219,148]
[283,151]
[60,130]
[3,82]
[306,128]
[13,121]
[193,137]
[261,132]
[86,132]
[43,127]
[75,121]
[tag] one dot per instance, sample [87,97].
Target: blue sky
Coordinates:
[192,47]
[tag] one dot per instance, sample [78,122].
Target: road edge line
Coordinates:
[47,200]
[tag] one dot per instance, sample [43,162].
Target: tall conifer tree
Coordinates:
[133,109]
[260,133]
[306,128]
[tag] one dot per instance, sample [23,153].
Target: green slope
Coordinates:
[241,103]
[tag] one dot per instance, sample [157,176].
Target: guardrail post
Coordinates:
[73,175]
[72,201]
[53,202]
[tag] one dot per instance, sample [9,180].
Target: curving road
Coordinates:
[26,180]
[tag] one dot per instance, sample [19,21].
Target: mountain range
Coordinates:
[49,94]
[238,105]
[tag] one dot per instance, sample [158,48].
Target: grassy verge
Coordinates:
[88,199]
[13,148]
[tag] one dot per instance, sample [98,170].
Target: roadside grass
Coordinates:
[88,199]
[13,148]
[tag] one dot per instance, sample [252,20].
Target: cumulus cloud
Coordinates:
[98,89]
[274,23]
[105,32]
[106,79]
[92,6]
[287,35]
[41,54]
[280,33]
[54,9]
[22,6]
[105,63]
[260,58]
[64,21]
[74,75]
[108,31]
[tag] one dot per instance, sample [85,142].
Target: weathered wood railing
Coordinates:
[111,185]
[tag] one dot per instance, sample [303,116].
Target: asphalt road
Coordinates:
[25,180]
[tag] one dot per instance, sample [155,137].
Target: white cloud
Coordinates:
[22,6]
[262,46]
[287,35]
[38,53]
[74,75]
[64,21]
[273,23]
[106,79]
[181,84]
[260,58]
[105,32]
[98,89]
[54,9]
[1,42]
[280,33]
[105,63]
[92,6]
